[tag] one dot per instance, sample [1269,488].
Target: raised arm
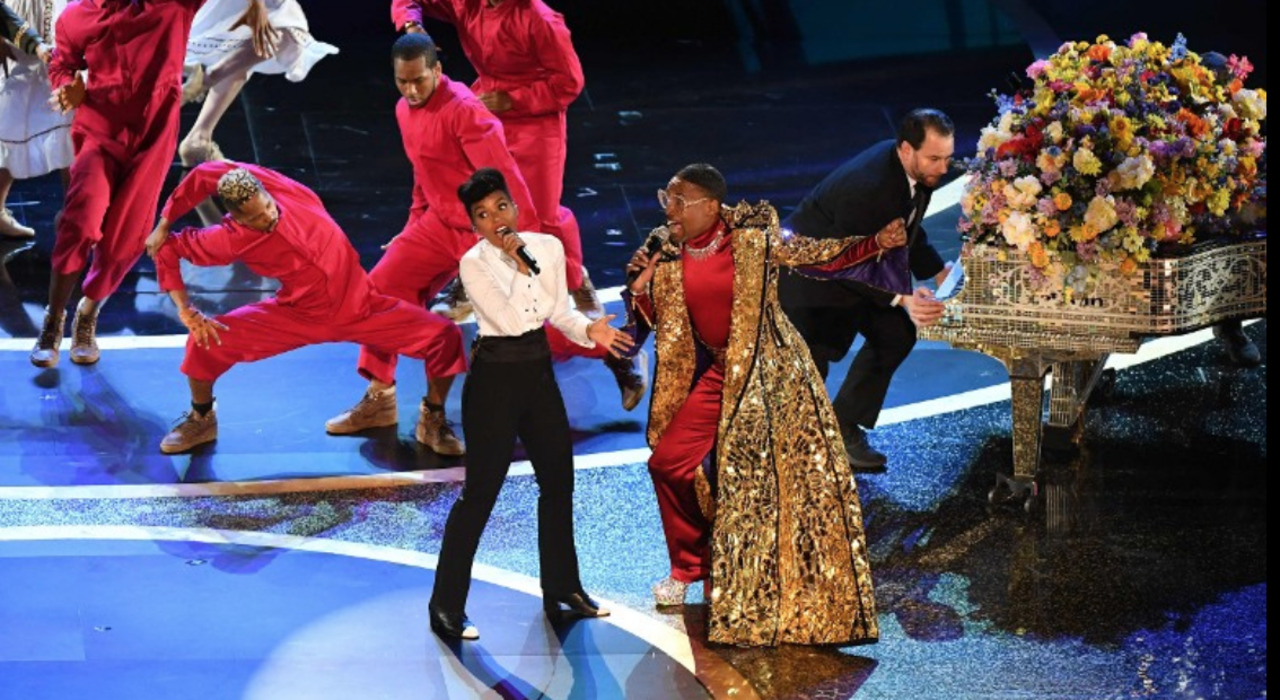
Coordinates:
[412,12]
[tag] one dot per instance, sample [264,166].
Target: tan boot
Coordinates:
[436,433]
[632,376]
[376,409]
[10,228]
[193,430]
[193,152]
[585,298]
[45,353]
[84,341]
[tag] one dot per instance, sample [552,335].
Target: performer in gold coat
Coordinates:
[775,523]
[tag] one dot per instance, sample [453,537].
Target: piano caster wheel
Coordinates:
[1015,491]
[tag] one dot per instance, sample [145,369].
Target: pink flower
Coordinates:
[1037,69]
[1239,66]
[1140,36]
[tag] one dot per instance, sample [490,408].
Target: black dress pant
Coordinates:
[829,332]
[511,393]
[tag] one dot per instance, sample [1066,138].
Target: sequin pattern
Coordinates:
[789,560]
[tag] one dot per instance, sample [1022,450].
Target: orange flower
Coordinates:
[1062,201]
[1052,228]
[1195,125]
[1129,266]
[1099,52]
[1039,257]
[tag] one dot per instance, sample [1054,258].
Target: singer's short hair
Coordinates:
[236,187]
[481,184]
[915,126]
[708,178]
[411,47]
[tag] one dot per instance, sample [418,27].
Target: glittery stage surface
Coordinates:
[1143,574]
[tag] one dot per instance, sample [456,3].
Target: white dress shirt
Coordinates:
[508,303]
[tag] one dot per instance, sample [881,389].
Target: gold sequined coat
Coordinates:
[789,557]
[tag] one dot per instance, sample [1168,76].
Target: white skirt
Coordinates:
[212,38]
[34,138]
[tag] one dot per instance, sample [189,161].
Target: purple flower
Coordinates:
[1050,177]
[1127,211]
[1088,251]
[1009,167]
[1047,207]
[1103,188]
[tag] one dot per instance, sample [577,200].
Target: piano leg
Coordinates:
[1026,379]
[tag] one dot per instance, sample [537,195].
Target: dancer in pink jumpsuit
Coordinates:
[278,228]
[528,74]
[124,132]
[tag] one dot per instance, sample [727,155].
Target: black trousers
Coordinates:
[511,393]
[829,331]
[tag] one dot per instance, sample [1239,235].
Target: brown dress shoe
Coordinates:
[84,341]
[45,353]
[632,376]
[585,298]
[457,303]
[376,409]
[193,430]
[436,433]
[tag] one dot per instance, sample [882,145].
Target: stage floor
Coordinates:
[281,562]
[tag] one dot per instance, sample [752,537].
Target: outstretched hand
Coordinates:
[202,328]
[265,36]
[615,340]
[922,307]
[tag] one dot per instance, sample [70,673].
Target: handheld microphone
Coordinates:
[652,244]
[522,252]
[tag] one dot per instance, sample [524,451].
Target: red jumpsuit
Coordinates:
[324,295]
[446,139]
[125,132]
[522,47]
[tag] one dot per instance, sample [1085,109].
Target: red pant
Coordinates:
[111,204]
[538,146]
[688,439]
[267,328]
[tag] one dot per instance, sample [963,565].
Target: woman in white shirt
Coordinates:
[516,283]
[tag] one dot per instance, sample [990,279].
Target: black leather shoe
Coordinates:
[861,454]
[579,605]
[1240,348]
[451,625]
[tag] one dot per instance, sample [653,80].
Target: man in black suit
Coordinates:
[892,179]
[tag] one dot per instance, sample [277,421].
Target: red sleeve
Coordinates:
[199,184]
[550,43]
[414,10]
[209,247]
[68,53]
[480,134]
[202,183]
[861,251]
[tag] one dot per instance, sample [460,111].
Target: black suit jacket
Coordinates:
[857,199]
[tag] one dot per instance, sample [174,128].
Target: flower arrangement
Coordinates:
[1114,150]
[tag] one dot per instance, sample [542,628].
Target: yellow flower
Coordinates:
[1086,162]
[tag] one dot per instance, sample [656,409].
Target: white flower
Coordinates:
[995,137]
[1054,132]
[1022,193]
[1135,172]
[1251,104]
[1018,230]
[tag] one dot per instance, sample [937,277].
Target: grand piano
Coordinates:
[992,307]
